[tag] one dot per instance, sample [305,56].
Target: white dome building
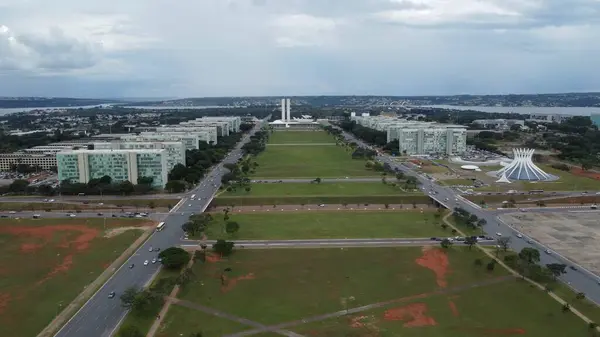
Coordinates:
[522,168]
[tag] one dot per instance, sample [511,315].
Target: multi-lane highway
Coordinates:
[580,280]
[100,316]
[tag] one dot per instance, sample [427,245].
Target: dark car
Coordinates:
[433,239]
[157,249]
[111,295]
[131,266]
[100,214]
[573,267]
[114,215]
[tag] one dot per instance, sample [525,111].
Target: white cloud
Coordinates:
[271,47]
[301,30]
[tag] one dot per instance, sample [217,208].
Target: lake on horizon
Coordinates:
[573,111]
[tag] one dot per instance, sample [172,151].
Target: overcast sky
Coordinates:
[182,48]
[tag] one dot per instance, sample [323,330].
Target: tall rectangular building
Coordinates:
[191,141]
[175,150]
[209,132]
[234,122]
[121,165]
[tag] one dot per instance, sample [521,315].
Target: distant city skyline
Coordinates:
[217,48]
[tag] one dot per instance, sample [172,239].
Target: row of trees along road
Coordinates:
[198,162]
[100,186]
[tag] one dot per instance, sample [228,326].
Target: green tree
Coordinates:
[232,227]
[128,297]
[185,276]
[174,257]
[446,243]
[504,243]
[175,186]
[557,269]
[470,241]
[223,247]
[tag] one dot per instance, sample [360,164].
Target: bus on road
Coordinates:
[160,227]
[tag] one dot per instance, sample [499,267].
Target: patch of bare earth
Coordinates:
[120,230]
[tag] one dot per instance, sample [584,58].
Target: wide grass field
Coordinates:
[91,205]
[329,225]
[300,137]
[48,262]
[318,161]
[412,292]
[323,193]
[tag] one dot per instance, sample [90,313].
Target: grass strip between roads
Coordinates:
[315,200]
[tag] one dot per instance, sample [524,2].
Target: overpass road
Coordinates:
[100,316]
[581,280]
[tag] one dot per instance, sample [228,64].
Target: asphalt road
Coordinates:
[321,243]
[580,280]
[101,315]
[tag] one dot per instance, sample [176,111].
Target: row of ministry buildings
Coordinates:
[418,138]
[150,153]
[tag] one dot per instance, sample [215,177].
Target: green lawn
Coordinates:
[322,189]
[452,182]
[506,309]
[309,162]
[292,284]
[52,261]
[331,224]
[349,200]
[182,321]
[300,137]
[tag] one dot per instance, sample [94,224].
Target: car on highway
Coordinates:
[573,267]
[547,251]
[499,234]
[131,266]
[157,249]
[150,249]
[529,241]
[100,214]
[12,212]
[72,215]
[519,235]
[154,261]
[146,263]
[111,294]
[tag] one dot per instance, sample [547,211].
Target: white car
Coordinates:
[189,205]
[519,235]
[547,251]
[154,261]
[499,234]
[150,249]
[72,215]
[146,263]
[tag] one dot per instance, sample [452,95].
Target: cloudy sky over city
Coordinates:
[160,48]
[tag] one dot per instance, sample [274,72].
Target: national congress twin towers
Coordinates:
[286,111]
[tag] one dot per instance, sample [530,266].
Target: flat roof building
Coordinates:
[175,150]
[234,122]
[222,126]
[45,161]
[121,165]
[191,141]
[417,137]
[211,131]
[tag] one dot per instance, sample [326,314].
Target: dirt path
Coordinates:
[230,317]
[369,307]
[91,288]
[513,272]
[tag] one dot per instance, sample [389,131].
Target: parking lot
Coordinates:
[574,234]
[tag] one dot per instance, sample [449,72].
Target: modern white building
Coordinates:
[191,141]
[419,138]
[175,150]
[222,126]
[209,132]
[522,168]
[234,122]
[121,165]
[286,121]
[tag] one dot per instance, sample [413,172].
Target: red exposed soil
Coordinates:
[46,233]
[437,261]
[453,308]
[230,283]
[212,258]
[63,267]
[493,332]
[588,174]
[4,300]
[413,314]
